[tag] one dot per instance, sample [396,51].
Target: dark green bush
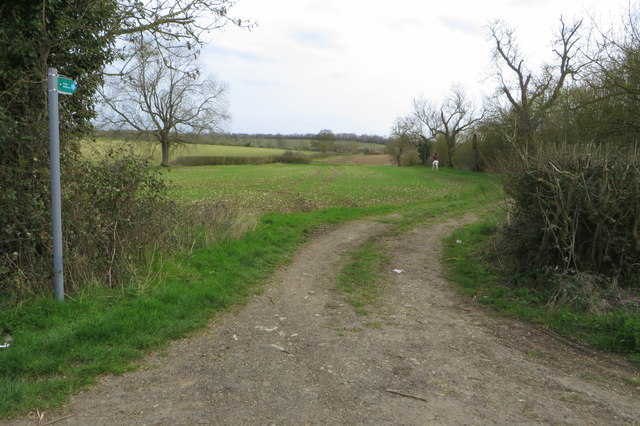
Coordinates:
[116,215]
[292,157]
[204,160]
[575,211]
[73,37]
[113,211]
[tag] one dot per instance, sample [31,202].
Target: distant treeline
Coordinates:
[225,138]
[380,140]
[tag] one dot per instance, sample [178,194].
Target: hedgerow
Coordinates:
[573,223]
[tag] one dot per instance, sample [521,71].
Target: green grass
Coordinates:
[59,348]
[293,187]
[360,279]
[616,330]
[151,150]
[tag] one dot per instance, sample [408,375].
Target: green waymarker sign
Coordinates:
[66,86]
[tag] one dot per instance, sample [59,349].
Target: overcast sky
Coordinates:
[353,66]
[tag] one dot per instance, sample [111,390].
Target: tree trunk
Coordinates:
[165,153]
[476,154]
[451,143]
[526,130]
[399,154]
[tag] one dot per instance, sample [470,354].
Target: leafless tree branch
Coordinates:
[165,97]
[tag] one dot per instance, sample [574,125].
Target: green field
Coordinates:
[293,188]
[151,150]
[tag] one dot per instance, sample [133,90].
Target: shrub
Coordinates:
[203,160]
[574,211]
[116,216]
[292,157]
[113,209]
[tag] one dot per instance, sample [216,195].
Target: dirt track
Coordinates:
[297,354]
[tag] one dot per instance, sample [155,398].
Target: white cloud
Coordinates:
[355,65]
[465,26]
[313,39]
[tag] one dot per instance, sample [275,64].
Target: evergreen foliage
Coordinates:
[68,35]
[78,38]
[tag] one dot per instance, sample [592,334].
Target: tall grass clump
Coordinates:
[116,218]
[573,226]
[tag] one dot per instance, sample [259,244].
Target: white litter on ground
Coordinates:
[267,329]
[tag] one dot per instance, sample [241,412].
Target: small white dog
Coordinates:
[434,165]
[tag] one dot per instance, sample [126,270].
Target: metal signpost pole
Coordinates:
[56,205]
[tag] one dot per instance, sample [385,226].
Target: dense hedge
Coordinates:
[71,36]
[286,157]
[112,210]
[116,214]
[211,160]
[576,211]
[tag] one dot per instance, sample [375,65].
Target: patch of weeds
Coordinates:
[342,331]
[360,279]
[594,378]
[356,303]
[218,358]
[632,381]
[535,354]
[373,324]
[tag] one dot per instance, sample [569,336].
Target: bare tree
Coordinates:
[531,96]
[456,115]
[614,81]
[165,97]
[175,26]
[403,137]
[324,141]
[174,19]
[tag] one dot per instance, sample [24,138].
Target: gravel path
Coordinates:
[297,354]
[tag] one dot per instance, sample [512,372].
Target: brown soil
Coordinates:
[363,160]
[298,354]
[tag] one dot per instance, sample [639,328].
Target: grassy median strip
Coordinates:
[360,279]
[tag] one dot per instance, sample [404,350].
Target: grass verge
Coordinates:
[616,330]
